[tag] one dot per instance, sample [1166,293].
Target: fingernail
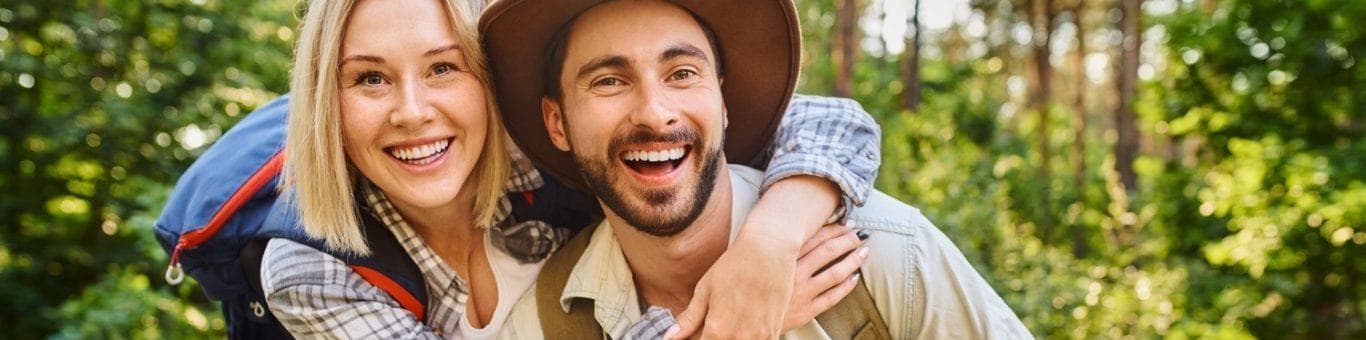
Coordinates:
[855,277]
[863,252]
[862,234]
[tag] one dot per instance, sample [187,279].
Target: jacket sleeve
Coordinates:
[950,299]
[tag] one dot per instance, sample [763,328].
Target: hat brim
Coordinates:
[760,46]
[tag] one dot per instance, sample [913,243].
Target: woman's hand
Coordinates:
[826,273]
[747,291]
[742,296]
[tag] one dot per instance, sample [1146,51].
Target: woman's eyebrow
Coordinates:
[361,57]
[441,49]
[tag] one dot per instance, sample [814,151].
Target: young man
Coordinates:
[636,111]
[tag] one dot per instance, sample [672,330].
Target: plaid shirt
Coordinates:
[316,295]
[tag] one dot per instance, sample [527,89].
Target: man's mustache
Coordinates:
[642,136]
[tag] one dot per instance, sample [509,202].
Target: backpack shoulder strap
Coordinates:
[390,268]
[555,323]
[855,317]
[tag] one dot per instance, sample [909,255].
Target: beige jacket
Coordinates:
[922,285]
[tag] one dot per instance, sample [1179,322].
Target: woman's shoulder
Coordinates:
[288,263]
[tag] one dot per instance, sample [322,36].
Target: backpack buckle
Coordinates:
[174,274]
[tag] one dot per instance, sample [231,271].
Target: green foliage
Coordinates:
[105,103]
[1249,220]
[1250,226]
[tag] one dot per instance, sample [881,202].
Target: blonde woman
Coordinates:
[392,116]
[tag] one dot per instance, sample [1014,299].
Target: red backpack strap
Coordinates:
[389,267]
[388,285]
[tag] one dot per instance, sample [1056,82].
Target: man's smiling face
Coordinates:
[641,111]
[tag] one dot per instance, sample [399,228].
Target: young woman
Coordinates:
[392,115]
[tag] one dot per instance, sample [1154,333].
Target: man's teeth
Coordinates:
[420,151]
[654,156]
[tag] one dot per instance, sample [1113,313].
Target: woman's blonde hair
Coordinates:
[316,168]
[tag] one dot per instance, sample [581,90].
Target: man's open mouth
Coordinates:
[655,162]
[419,154]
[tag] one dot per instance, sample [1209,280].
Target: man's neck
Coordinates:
[666,269]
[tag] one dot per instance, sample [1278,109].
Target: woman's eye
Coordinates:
[441,69]
[370,78]
[683,74]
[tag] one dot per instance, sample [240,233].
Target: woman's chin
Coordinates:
[428,195]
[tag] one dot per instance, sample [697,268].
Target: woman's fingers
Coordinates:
[827,252]
[823,234]
[840,270]
[829,298]
[813,295]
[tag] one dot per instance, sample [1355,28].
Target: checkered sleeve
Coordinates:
[832,138]
[524,176]
[652,325]
[316,296]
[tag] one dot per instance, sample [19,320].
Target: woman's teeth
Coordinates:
[420,151]
[654,156]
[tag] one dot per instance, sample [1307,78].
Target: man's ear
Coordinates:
[725,118]
[554,123]
[725,113]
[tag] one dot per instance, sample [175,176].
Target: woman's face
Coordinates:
[413,116]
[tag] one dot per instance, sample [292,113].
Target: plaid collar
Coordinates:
[529,241]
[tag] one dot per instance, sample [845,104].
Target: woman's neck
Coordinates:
[451,233]
[444,226]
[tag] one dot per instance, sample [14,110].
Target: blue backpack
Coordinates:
[224,209]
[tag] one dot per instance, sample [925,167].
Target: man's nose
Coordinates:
[655,109]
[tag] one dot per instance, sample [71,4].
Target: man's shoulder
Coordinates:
[885,213]
[914,271]
[750,177]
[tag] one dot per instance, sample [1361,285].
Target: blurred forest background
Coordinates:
[1116,168]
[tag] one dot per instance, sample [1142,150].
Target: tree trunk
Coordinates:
[1126,147]
[1079,247]
[1042,15]
[910,94]
[846,46]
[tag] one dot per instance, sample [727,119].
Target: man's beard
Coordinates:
[653,216]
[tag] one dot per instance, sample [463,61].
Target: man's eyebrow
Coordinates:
[441,49]
[360,57]
[613,61]
[683,50]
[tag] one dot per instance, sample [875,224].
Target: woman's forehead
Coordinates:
[383,27]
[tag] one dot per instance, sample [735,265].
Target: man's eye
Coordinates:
[682,74]
[607,82]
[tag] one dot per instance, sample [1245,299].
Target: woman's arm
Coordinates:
[823,159]
[315,295]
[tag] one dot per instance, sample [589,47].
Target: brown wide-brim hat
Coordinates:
[760,48]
